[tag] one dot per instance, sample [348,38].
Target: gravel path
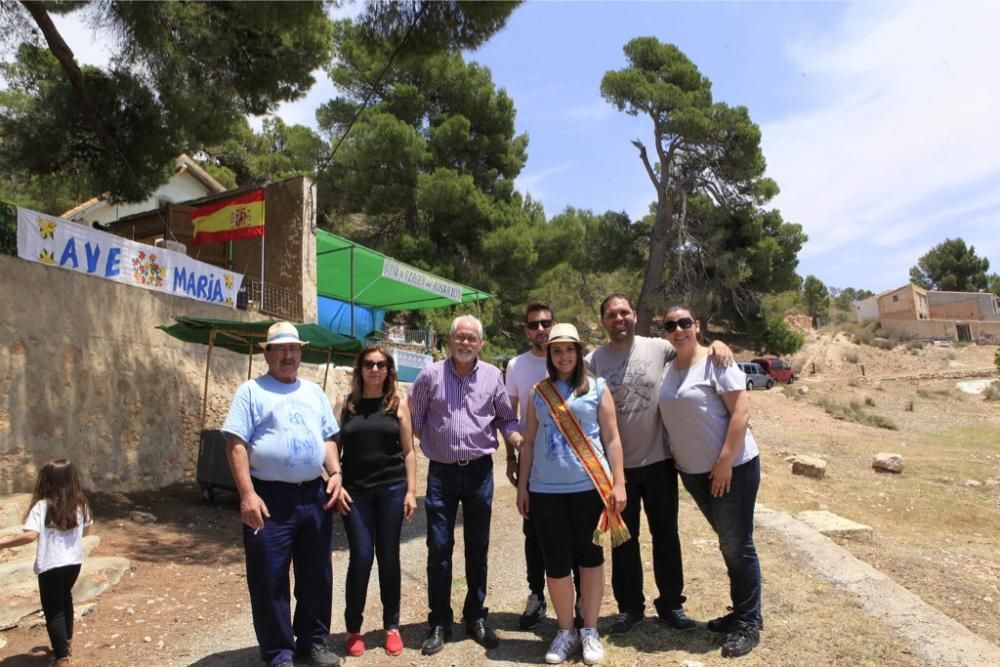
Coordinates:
[933,637]
[233,643]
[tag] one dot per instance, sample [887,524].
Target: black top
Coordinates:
[370,452]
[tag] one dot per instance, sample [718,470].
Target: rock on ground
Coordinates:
[809,466]
[886,462]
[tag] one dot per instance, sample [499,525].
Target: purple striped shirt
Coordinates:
[458,417]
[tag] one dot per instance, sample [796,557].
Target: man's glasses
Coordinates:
[538,324]
[683,323]
[369,364]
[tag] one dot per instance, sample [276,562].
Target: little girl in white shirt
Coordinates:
[59,518]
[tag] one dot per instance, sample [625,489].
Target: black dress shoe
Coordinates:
[436,637]
[482,634]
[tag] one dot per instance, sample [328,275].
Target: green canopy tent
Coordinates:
[350,272]
[324,345]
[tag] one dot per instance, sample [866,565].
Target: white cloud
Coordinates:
[903,126]
[530,183]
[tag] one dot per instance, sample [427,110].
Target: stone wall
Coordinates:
[982,332]
[84,373]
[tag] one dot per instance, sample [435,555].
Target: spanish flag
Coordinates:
[241,217]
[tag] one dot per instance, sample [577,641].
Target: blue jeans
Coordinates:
[653,487]
[299,531]
[447,486]
[373,528]
[731,516]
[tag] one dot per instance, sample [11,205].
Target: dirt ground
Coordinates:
[185,603]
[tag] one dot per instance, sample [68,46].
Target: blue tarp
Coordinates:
[336,316]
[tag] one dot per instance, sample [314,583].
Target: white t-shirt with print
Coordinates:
[56,548]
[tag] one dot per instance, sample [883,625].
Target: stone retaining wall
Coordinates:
[85,374]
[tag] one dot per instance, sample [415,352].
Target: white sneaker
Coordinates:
[593,652]
[564,645]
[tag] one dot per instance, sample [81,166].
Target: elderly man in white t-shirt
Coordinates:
[279,440]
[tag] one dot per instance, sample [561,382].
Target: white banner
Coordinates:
[69,245]
[425,281]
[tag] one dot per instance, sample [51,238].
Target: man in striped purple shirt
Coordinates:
[457,406]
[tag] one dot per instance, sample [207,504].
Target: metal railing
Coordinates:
[394,334]
[267,299]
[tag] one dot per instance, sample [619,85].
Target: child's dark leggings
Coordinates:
[55,587]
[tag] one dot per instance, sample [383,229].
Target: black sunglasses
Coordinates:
[538,324]
[683,323]
[369,364]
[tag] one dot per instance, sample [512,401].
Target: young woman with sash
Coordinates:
[577,487]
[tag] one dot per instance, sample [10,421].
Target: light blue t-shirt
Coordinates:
[285,426]
[555,467]
[697,418]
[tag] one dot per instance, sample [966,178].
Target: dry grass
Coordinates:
[934,535]
[807,621]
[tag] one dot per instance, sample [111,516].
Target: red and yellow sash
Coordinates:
[566,421]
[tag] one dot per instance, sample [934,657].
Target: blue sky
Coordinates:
[880,120]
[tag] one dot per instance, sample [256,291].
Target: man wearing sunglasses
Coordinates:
[523,372]
[633,368]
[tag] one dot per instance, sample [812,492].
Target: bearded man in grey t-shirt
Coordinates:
[633,367]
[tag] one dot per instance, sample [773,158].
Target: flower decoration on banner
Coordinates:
[46,257]
[146,271]
[229,281]
[229,300]
[47,229]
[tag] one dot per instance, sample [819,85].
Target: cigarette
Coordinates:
[256,530]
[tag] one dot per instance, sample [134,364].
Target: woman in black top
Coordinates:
[378,464]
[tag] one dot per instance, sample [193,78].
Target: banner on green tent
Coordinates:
[409,276]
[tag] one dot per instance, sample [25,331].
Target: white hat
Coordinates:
[282,332]
[563,332]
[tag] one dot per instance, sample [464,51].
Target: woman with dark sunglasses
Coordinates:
[379,490]
[706,411]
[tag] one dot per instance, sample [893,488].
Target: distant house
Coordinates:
[189,182]
[911,302]
[908,302]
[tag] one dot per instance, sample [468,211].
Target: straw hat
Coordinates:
[563,332]
[280,333]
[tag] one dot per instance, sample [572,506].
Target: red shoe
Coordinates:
[393,642]
[354,644]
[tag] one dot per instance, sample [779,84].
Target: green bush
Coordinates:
[996,359]
[774,336]
[8,229]
[852,357]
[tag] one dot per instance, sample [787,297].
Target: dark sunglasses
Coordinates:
[538,324]
[683,323]
[369,364]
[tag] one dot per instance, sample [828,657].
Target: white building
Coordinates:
[188,182]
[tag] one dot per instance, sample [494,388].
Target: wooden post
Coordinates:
[208,366]
[814,368]
[250,363]
[862,370]
[329,355]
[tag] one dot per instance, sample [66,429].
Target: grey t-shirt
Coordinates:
[634,377]
[696,417]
